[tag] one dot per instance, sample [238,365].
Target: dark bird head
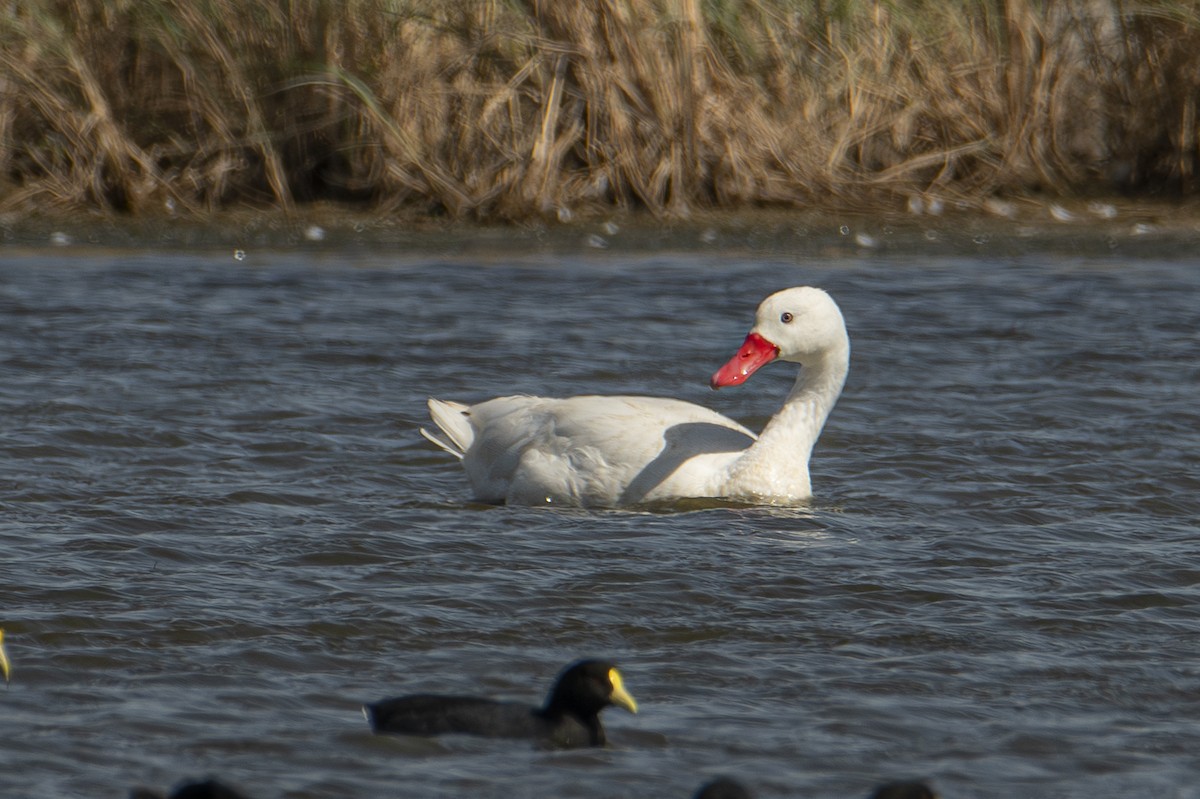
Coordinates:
[904,789]
[723,788]
[585,688]
[205,789]
[5,667]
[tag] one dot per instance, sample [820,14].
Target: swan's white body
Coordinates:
[611,451]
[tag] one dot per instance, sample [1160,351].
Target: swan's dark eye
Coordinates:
[786,317]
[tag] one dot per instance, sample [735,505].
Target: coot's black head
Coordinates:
[586,687]
[5,668]
[904,789]
[723,788]
[207,789]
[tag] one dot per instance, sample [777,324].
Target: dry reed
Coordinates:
[505,110]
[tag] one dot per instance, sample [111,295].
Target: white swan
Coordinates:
[612,451]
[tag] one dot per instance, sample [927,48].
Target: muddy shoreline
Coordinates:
[1091,228]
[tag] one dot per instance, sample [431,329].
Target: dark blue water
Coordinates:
[221,532]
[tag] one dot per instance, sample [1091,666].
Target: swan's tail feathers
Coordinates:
[454,433]
[443,442]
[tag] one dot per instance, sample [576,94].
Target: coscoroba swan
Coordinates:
[611,451]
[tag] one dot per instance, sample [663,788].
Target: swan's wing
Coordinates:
[588,450]
[634,428]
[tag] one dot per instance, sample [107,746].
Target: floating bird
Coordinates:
[611,451]
[904,789]
[729,788]
[5,666]
[570,717]
[723,788]
[205,789]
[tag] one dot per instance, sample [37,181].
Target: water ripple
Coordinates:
[222,533]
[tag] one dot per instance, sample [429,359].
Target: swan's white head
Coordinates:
[802,325]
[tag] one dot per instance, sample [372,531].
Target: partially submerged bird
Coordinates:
[904,789]
[5,666]
[570,717]
[611,451]
[204,789]
[729,788]
[723,788]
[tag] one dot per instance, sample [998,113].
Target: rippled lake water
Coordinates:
[221,531]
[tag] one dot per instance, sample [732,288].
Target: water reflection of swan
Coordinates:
[610,451]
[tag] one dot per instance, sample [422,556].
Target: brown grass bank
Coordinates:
[490,110]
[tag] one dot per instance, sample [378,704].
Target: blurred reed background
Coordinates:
[495,110]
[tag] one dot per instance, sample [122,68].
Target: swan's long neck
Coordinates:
[776,466]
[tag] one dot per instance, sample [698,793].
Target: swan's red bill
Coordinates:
[755,353]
